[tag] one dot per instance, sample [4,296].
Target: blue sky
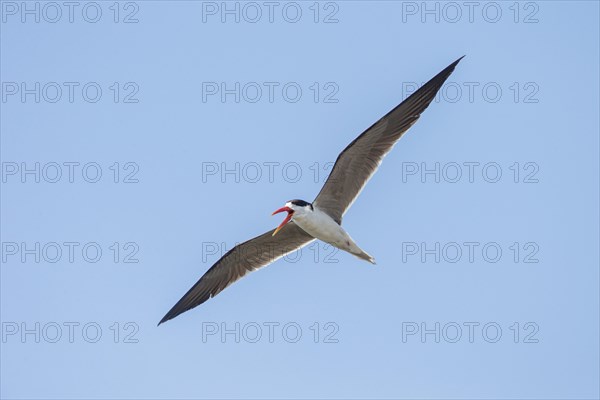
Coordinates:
[142,140]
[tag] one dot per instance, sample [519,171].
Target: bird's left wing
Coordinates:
[243,258]
[361,158]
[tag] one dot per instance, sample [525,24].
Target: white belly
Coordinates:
[323,227]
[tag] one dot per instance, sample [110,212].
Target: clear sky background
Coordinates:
[485,286]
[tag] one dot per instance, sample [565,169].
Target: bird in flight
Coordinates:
[321,219]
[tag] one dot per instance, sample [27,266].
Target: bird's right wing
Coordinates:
[361,158]
[243,258]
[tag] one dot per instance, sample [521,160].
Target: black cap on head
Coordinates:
[301,203]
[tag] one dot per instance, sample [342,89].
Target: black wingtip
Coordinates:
[455,63]
[165,319]
[440,78]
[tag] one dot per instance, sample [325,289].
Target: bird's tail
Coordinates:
[365,256]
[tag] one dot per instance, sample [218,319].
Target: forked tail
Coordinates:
[365,256]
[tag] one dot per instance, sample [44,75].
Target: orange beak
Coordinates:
[286,220]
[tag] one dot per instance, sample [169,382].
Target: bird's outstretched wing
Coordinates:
[361,158]
[243,258]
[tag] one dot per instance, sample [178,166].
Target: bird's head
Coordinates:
[293,208]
